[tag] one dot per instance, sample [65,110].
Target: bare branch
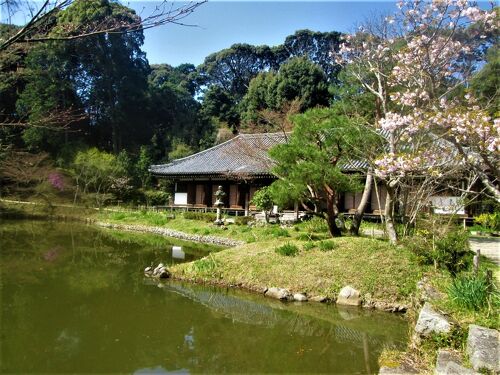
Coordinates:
[37,29]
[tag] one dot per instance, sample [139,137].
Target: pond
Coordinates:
[74,300]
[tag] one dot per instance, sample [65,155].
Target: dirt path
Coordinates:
[490,247]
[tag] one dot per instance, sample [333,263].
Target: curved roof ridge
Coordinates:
[175,161]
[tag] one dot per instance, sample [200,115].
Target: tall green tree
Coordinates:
[104,74]
[297,80]
[233,68]
[314,45]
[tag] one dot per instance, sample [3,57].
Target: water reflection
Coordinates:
[177,253]
[74,299]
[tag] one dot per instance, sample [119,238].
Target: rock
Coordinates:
[148,271]
[349,296]
[348,312]
[158,269]
[428,292]
[159,272]
[482,348]
[299,297]
[397,370]
[163,273]
[453,368]
[430,321]
[278,293]
[449,362]
[318,299]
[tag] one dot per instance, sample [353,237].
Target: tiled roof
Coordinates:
[245,154]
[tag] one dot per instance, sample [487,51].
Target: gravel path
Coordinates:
[490,247]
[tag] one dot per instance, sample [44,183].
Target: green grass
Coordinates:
[327,245]
[201,226]
[287,249]
[471,293]
[388,273]
[462,309]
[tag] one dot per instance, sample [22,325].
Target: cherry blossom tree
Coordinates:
[417,64]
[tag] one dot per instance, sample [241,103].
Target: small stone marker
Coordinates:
[430,321]
[349,296]
[483,348]
[476,261]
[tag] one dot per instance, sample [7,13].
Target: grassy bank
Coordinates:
[372,266]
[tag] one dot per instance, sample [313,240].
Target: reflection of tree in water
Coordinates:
[254,313]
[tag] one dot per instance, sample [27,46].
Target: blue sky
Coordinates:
[223,23]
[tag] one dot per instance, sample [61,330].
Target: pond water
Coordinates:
[74,300]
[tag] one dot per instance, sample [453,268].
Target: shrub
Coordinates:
[156,197]
[469,292]
[263,200]
[208,217]
[489,221]
[308,246]
[421,247]
[327,245]
[310,237]
[277,232]
[243,220]
[205,265]
[287,249]
[316,225]
[452,251]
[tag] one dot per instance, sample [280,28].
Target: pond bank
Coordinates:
[219,241]
[384,275]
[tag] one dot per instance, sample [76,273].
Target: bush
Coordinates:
[316,225]
[309,246]
[327,245]
[452,251]
[490,222]
[243,220]
[208,217]
[277,232]
[156,197]
[287,249]
[469,292]
[310,237]
[205,265]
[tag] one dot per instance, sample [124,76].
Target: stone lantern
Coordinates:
[219,195]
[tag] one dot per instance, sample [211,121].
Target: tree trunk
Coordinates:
[332,213]
[360,211]
[389,213]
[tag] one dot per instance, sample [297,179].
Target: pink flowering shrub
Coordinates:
[56,181]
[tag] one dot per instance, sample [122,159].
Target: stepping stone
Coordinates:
[482,348]
[430,321]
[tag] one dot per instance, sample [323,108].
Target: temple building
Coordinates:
[241,166]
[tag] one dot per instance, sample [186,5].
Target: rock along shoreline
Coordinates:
[213,240]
